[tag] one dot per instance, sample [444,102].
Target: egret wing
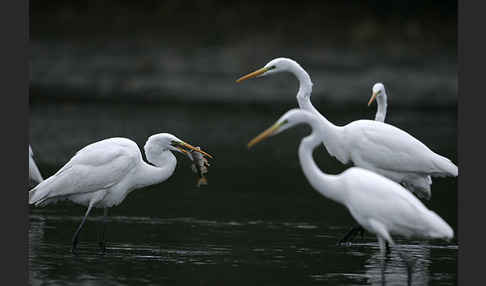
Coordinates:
[387,147]
[95,167]
[375,197]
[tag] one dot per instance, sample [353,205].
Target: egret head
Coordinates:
[289,119]
[378,90]
[274,66]
[168,142]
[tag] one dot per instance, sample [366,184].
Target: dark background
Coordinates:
[149,50]
[100,69]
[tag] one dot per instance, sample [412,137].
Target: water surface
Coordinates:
[258,222]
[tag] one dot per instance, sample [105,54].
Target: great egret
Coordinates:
[102,174]
[381,206]
[381,100]
[378,93]
[34,172]
[373,145]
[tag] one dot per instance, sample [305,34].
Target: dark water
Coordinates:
[258,222]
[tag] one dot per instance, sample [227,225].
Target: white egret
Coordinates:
[378,92]
[102,174]
[34,172]
[373,145]
[380,205]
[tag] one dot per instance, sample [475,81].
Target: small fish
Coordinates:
[199,166]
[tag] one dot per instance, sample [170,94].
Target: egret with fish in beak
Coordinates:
[103,173]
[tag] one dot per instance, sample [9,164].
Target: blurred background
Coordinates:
[102,69]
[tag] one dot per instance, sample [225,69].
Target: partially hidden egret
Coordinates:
[380,205]
[373,145]
[103,173]
[379,93]
[34,172]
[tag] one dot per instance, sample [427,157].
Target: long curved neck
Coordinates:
[331,139]
[328,185]
[164,166]
[381,110]
[305,88]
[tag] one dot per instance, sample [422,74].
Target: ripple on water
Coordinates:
[307,248]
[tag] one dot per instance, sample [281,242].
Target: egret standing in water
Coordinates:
[102,174]
[379,93]
[34,172]
[381,206]
[373,145]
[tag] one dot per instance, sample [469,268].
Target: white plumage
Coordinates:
[378,204]
[421,184]
[34,172]
[379,93]
[102,174]
[372,145]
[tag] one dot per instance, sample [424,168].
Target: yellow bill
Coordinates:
[253,74]
[373,96]
[190,147]
[264,135]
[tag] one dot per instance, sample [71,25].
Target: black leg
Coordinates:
[387,245]
[102,241]
[352,234]
[383,270]
[361,232]
[409,264]
[76,234]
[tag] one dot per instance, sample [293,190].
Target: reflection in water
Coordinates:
[392,270]
[257,223]
[195,251]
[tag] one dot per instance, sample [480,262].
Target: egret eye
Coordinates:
[271,67]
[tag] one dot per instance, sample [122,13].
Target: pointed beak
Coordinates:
[373,96]
[181,145]
[267,133]
[253,74]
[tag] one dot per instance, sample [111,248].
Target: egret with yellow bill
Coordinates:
[380,205]
[373,145]
[102,174]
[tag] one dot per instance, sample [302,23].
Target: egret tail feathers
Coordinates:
[420,185]
[41,192]
[446,166]
[36,197]
[439,228]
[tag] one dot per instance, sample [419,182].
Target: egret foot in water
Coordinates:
[409,264]
[348,238]
[76,234]
[102,241]
[103,173]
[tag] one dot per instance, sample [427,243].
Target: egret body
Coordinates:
[102,174]
[373,145]
[380,205]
